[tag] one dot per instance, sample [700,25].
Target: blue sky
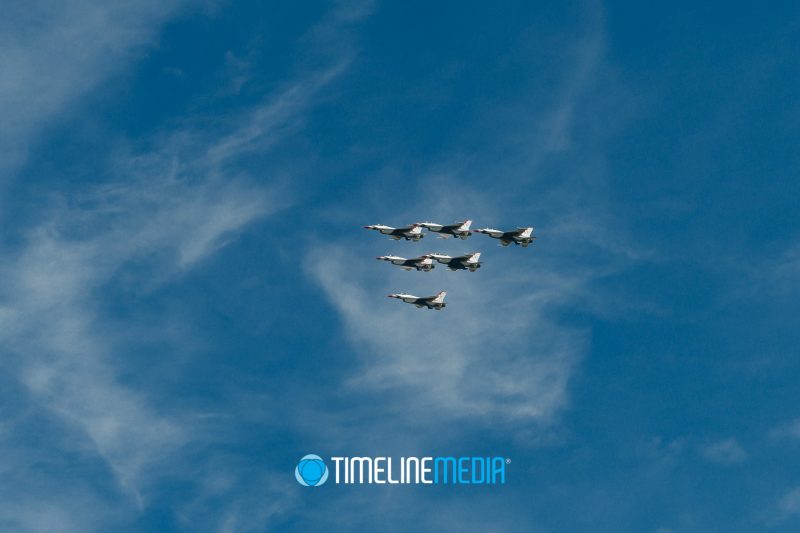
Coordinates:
[189,305]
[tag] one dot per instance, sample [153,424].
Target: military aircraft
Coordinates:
[431,302]
[423,264]
[409,233]
[459,229]
[523,236]
[469,262]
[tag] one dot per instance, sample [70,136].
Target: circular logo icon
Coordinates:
[311,471]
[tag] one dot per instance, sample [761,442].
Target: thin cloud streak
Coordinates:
[50,315]
[158,216]
[725,452]
[52,53]
[51,323]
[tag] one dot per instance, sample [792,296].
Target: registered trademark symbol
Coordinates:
[508,461]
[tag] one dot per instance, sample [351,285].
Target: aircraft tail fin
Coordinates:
[440,297]
[465,226]
[526,232]
[475,257]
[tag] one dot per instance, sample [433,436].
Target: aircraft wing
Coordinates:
[459,226]
[442,258]
[433,226]
[408,298]
[496,233]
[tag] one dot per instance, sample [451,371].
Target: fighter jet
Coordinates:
[409,233]
[459,229]
[431,302]
[422,264]
[523,236]
[462,262]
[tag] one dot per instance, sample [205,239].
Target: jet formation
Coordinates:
[522,236]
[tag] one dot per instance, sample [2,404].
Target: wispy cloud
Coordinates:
[458,362]
[788,430]
[54,53]
[273,120]
[789,504]
[50,318]
[785,271]
[725,452]
[156,216]
[661,454]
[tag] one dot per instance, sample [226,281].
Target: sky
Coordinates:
[189,303]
